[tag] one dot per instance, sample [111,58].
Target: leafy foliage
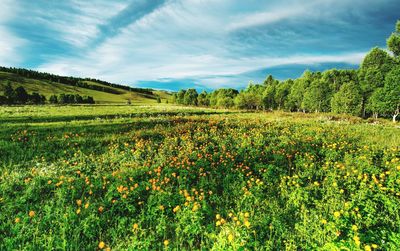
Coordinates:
[359,92]
[348,100]
[393,42]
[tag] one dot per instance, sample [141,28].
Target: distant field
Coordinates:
[49,88]
[158,177]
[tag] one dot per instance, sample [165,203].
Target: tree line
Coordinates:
[372,90]
[70,99]
[19,96]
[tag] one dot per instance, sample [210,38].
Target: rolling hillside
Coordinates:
[101,91]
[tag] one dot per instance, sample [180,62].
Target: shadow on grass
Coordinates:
[68,118]
[55,142]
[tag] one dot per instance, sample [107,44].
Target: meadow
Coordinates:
[118,177]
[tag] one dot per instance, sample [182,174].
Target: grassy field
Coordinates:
[166,177]
[49,88]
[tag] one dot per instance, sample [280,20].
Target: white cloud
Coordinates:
[184,39]
[9,48]
[201,67]
[266,17]
[77,26]
[293,9]
[10,44]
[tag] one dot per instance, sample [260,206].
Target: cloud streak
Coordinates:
[166,42]
[9,42]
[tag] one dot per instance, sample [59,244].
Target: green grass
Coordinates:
[49,88]
[167,177]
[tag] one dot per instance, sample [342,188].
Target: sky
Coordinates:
[205,44]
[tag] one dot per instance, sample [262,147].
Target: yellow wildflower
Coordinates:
[176,209]
[32,214]
[102,245]
[356,240]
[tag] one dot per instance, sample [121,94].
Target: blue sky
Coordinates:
[207,44]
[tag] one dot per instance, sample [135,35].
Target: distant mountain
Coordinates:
[102,91]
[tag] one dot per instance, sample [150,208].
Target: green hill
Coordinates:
[102,92]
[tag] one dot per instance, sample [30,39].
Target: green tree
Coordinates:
[251,97]
[282,91]
[347,100]
[180,97]
[3,100]
[336,78]
[78,99]
[376,64]
[63,99]
[9,93]
[391,93]
[225,102]
[174,98]
[203,99]
[270,80]
[190,97]
[53,99]
[223,97]
[158,99]
[88,100]
[297,91]
[376,104]
[42,99]
[316,98]
[386,100]
[269,96]
[35,98]
[21,96]
[393,42]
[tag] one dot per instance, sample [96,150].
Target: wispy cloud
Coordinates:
[75,22]
[271,15]
[208,41]
[206,68]
[10,43]
[130,14]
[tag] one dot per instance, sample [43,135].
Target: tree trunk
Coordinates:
[397,112]
[363,107]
